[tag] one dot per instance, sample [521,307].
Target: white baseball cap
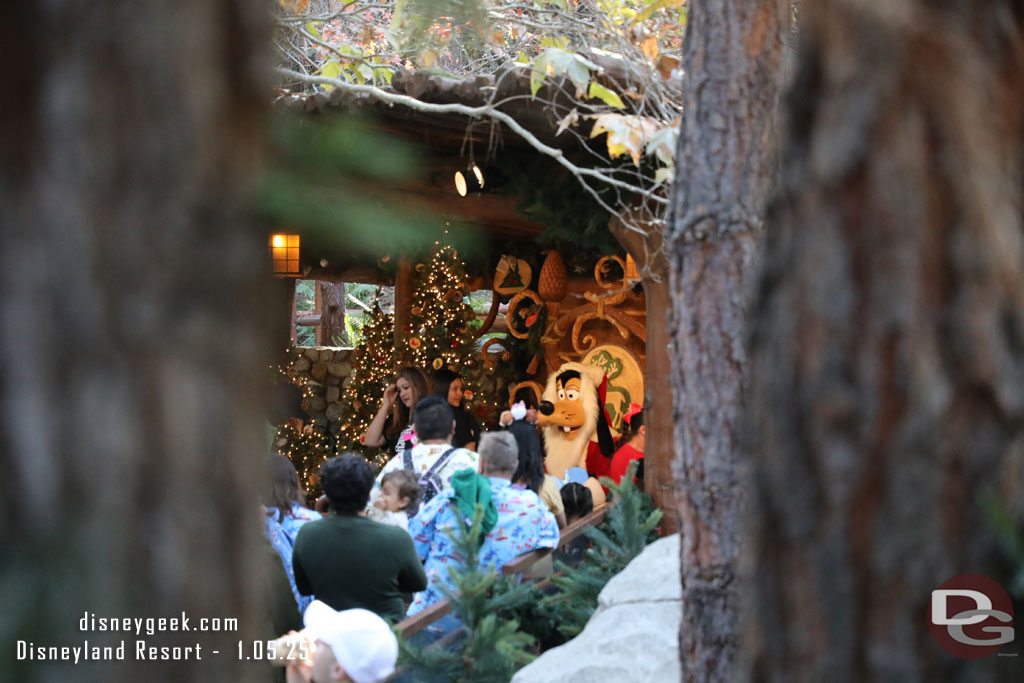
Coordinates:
[362,642]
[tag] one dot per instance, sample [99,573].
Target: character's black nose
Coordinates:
[546,407]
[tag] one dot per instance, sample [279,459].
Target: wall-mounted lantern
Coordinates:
[284,253]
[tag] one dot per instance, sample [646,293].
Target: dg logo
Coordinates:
[970,616]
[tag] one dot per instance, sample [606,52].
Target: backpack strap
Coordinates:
[440,462]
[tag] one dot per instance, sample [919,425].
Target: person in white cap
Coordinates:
[351,645]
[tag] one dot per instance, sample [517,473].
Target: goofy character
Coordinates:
[572,414]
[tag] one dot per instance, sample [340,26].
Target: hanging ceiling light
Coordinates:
[470,181]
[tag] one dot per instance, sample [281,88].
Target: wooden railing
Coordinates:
[517,566]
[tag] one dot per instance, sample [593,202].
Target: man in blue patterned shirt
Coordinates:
[523,522]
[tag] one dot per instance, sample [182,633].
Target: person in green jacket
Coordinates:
[347,560]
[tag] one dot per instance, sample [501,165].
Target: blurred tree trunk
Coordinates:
[130,427]
[332,313]
[887,355]
[732,60]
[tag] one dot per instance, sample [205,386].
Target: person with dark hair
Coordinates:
[392,426]
[515,521]
[286,514]
[578,501]
[522,406]
[530,472]
[347,560]
[631,444]
[433,459]
[448,385]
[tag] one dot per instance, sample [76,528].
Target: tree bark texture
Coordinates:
[887,349]
[332,315]
[133,348]
[732,59]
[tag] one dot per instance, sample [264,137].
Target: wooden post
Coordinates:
[293,330]
[318,309]
[403,302]
[659,452]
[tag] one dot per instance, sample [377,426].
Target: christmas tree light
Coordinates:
[441,332]
[372,370]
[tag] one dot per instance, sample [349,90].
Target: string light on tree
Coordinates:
[372,370]
[441,321]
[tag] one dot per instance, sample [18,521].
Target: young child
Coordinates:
[398,497]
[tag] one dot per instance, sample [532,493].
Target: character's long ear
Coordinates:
[604,433]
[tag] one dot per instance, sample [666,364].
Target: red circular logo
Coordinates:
[970,616]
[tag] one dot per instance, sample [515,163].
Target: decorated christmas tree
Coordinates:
[441,322]
[307,450]
[372,370]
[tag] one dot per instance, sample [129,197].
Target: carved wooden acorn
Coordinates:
[553,281]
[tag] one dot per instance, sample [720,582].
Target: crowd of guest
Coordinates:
[385,543]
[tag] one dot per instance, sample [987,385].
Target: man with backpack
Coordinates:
[433,459]
[515,520]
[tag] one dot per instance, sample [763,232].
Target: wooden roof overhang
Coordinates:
[448,142]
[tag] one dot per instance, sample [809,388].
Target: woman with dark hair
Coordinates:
[467,430]
[523,400]
[392,426]
[631,444]
[530,472]
[286,514]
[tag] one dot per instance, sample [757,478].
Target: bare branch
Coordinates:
[487,111]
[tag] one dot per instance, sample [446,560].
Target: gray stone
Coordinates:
[633,635]
[312,354]
[659,580]
[326,355]
[337,369]
[334,412]
[317,405]
[333,380]
[319,371]
[333,393]
[302,364]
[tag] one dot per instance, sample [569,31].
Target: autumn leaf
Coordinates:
[626,134]
[569,119]
[428,58]
[663,144]
[331,69]
[656,6]
[598,91]
[294,6]
[649,47]
[555,61]
[666,65]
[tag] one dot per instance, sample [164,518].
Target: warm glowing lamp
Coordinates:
[460,183]
[284,254]
[479,175]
